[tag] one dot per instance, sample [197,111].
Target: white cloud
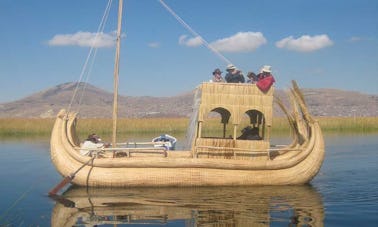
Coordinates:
[240,42]
[305,43]
[84,39]
[192,42]
[154,45]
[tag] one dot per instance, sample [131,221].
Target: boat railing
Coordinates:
[234,152]
[126,151]
[137,144]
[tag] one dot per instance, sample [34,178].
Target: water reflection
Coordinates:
[216,206]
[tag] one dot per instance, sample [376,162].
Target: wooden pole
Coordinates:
[116,71]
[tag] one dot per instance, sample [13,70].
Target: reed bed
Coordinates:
[349,124]
[13,127]
[135,125]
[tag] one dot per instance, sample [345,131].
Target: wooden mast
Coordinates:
[116,71]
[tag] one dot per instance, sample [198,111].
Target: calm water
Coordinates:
[344,193]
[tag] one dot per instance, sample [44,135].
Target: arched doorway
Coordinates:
[215,124]
[252,126]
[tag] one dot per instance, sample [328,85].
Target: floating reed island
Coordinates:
[210,160]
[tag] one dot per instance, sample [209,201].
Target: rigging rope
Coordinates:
[89,56]
[194,33]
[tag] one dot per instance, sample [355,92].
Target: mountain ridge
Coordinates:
[97,103]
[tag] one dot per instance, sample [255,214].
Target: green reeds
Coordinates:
[135,125]
[22,127]
[349,124]
[15,127]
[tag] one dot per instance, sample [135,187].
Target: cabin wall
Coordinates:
[231,149]
[237,99]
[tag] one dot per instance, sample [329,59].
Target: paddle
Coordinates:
[68,179]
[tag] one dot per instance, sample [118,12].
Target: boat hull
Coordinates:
[183,170]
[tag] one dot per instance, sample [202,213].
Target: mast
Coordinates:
[116,71]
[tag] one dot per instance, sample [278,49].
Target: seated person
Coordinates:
[252,78]
[249,133]
[92,142]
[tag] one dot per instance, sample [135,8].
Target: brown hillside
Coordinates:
[98,103]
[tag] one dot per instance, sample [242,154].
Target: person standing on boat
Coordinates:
[252,78]
[92,144]
[217,76]
[234,75]
[265,78]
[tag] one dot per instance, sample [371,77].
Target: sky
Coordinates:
[320,44]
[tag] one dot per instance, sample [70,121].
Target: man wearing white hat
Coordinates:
[234,75]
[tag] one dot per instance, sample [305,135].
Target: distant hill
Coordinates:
[98,103]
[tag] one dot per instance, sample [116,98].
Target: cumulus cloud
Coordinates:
[190,42]
[240,42]
[305,43]
[84,39]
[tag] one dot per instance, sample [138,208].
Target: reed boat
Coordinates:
[211,161]
[205,206]
[225,159]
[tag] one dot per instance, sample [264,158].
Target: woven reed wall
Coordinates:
[246,145]
[237,99]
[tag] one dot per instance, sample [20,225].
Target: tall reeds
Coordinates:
[10,127]
[349,124]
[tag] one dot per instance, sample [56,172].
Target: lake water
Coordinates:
[344,193]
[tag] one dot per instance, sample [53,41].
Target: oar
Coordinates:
[68,178]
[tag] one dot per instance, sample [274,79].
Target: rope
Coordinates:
[22,196]
[19,199]
[90,55]
[86,81]
[194,33]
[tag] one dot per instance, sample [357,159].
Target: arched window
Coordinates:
[252,126]
[215,124]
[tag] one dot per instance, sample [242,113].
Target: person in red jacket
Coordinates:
[265,78]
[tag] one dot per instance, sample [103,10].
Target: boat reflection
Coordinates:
[215,206]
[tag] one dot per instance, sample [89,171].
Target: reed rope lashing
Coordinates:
[194,33]
[91,55]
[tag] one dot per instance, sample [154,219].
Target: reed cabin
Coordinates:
[225,111]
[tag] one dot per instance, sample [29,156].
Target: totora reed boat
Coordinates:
[209,160]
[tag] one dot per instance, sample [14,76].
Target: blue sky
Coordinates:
[321,44]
